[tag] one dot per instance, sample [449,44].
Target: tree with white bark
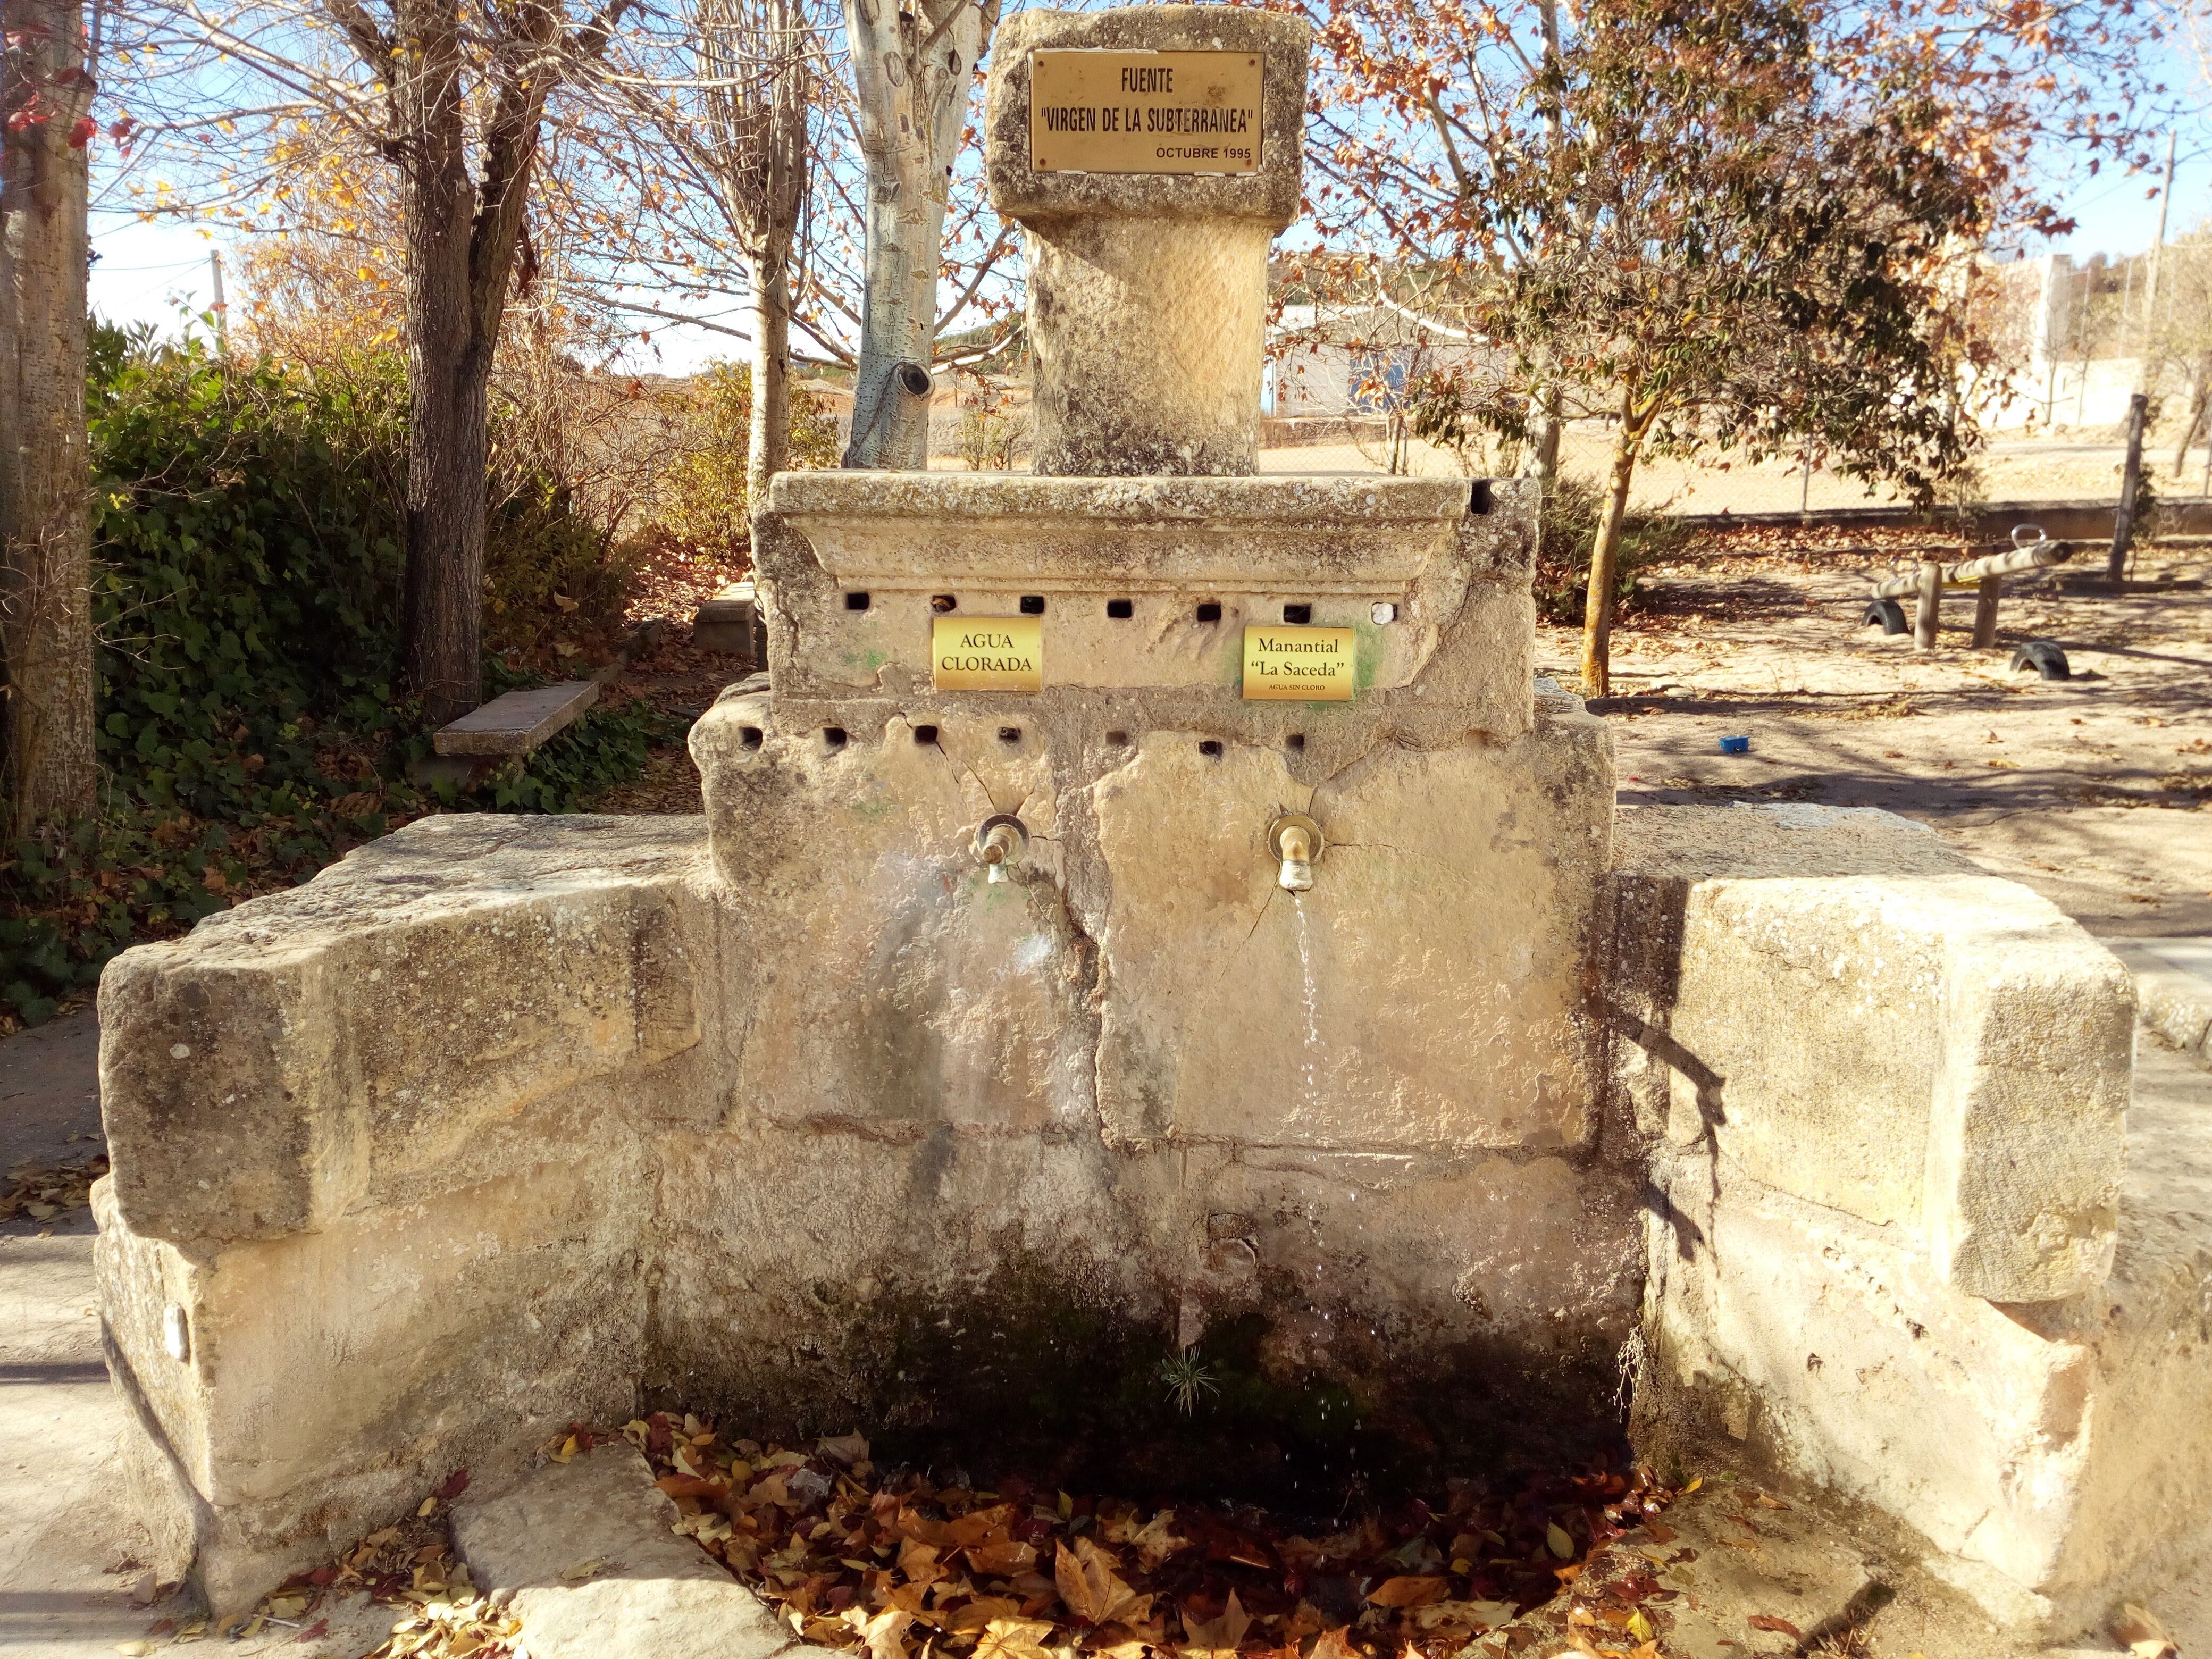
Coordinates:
[912,68]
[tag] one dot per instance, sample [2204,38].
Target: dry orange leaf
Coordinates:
[1409,1592]
[1093,1588]
[1002,1559]
[1226,1632]
[1014,1639]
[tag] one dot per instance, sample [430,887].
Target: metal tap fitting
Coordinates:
[1296,841]
[1001,841]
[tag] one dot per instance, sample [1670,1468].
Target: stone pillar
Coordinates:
[1148,289]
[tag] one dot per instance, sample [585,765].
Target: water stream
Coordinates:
[1312,1043]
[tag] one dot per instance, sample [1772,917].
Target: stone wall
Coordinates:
[1892,1255]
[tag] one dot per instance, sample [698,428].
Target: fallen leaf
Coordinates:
[1226,1632]
[976,1614]
[1094,1590]
[1156,1540]
[1462,1615]
[1333,1645]
[1779,1626]
[1002,1560]
[883,1634]
[2139,1631]
[1013,1638]
[1555,1537]
[918,1561]
[1640,1627]
[1410,1592]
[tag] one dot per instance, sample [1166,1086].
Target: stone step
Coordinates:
[583,1554]
[731,621]
[2174,989]
[515,722]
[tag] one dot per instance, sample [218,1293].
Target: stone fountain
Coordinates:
[1144,906]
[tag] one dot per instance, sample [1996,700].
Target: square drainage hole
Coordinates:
[1210,611]
[833,736]
[1211,748]
[1010,734]
[925,734]
[1121,610]
[749,736]
[856,602]
[1300,614]
[942,603]
[1032,604]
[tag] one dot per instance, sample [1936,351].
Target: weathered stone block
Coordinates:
[647,1593]
[1353,1015]
[331,1376]
[353,1040]
[1853,1015]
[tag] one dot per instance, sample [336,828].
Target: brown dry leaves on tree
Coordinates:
[888,1562]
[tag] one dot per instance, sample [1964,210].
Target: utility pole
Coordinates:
[2157,259]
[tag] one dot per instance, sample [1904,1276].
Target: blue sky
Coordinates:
[159,272]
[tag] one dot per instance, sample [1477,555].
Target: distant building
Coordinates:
[1337,362]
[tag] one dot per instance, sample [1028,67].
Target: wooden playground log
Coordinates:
[1985,612]
[1969,573]
[1932,604]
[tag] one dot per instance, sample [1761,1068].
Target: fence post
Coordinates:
[1931,600]
[2123,519]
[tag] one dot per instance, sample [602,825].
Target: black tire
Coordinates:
[2044,658]
[1889,613]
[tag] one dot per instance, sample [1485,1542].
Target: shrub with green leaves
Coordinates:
[247,537]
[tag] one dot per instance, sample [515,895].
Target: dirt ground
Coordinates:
[2074,466]
[2092,790]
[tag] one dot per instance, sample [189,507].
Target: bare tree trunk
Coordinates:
[1605,561]
[462,232]
[448,376]
[911,69]
[768,440]
[45,589]
[1544,460]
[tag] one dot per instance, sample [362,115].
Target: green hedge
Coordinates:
[248,559]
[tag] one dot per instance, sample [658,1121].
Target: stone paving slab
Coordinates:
[585,1553]
[2174,989]
[516,722]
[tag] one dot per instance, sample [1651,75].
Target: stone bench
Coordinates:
[515,722]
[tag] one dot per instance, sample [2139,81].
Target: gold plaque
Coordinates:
[986,653]
[1144,112]
[1299,665]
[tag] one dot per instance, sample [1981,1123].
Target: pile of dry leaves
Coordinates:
[410,1568]
[892,1560]
[43,1191]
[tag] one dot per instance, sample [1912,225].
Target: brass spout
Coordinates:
[1001,841]
[1295,840]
